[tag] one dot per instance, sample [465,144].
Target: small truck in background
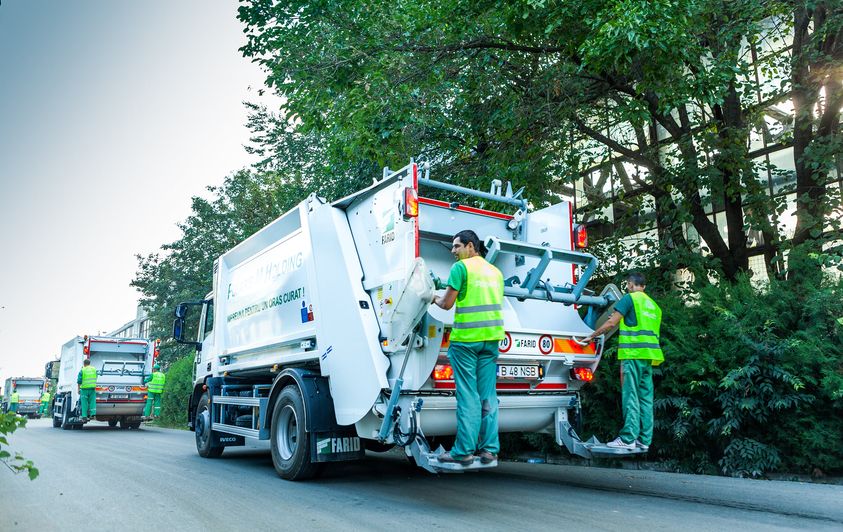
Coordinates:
[29,389]
[121,364]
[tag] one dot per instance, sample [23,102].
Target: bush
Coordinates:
[752,382]
[177,393]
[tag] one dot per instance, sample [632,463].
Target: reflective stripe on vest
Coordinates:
[14,398]
[642,341]
[89,378]
[479,316]
[156,385]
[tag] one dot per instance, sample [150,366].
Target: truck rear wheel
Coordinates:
[290,442]
[202,430]
[112,422]
[65,414]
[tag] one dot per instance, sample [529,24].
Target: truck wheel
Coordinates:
[65,415]
[202,430]
[290,442]
[112,423]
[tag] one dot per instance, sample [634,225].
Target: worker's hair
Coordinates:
[467,235]
[86,362]
[637,278]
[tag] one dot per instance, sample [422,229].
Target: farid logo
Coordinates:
[338,445]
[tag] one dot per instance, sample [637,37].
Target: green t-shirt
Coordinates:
[627,309]
[458,278]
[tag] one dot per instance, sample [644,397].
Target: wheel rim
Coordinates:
[286,432]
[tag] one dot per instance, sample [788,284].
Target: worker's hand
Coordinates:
[437,282]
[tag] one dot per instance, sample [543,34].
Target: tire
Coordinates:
[290,442]
[202,430]
[112,423]
[65,414]
[125,425]
[56,421]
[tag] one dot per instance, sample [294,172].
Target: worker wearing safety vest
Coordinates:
[45,403]
[638,351]
[87,381]
[14,400]
[154,389]
[476,287]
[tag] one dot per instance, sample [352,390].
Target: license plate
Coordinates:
[119,396]
[518,372]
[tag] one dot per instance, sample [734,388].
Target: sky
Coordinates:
[113,114]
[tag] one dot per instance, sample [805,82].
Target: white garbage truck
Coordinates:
[29,391]
[319,335]
[121,364]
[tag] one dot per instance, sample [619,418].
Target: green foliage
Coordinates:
[177,393]
[753,378]
[9,423]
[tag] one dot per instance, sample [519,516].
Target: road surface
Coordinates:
[152,479]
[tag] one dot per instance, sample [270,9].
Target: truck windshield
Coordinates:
[115,367]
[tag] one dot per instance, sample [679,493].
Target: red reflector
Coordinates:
[581,236]
[443,372]
[411,203]
[583,374]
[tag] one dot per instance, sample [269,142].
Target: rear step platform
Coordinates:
[430,462]
[567,437]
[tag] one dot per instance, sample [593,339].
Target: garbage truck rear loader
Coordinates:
[29,394]
[319,335]
[121,365]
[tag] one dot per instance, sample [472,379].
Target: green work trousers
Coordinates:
[637,397]
[89,402]
[152,398]
[42,410]
[475,375]
[13,408]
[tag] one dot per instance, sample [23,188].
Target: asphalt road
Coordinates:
[152,479]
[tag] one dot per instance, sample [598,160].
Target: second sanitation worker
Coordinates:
[476,287]
[640,321]
[87,381]
[154,389]
[45,403]
[14,400]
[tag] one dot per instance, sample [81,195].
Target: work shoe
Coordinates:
[640,446]
[446,458]
[487,457]
[85,420]
[618,443]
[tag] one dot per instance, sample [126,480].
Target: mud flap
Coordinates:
[335,447]
[221,439]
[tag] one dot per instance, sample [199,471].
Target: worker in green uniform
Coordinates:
[476,287]
[45,403]
[87,381]
[154,389]
[639,350]
[14,400]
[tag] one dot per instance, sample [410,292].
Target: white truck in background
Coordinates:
[121,364]
[29,391]
[319,335]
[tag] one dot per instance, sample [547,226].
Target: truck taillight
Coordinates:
[580,236]
[582,374]
[443,372]
[411,203]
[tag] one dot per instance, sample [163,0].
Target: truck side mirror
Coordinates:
[178,326]
[181,312]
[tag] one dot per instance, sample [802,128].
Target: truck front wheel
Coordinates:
[202,430]
[290,442]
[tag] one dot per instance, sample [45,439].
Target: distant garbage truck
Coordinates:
[29,395]
[121,364]
[319,335]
